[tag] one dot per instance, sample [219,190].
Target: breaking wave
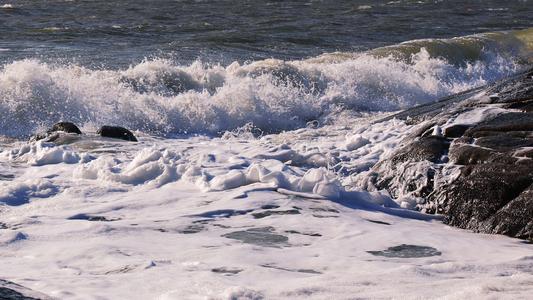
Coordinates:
[163,98]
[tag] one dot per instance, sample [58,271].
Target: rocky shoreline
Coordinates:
[471,159]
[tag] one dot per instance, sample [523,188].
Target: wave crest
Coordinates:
[162,98]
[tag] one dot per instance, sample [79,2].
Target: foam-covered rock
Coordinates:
[67,127]
[53,133]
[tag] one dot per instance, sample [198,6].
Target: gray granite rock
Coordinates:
[492,191]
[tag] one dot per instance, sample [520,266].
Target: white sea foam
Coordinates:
[164,213]
[238,216]
[162,98]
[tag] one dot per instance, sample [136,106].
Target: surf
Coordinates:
[162,98]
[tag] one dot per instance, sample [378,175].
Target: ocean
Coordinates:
[259,124]
[117,34]
[179,67]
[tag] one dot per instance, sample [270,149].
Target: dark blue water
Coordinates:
[119,33]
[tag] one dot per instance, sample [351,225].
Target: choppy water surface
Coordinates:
[118,32]
[181,67]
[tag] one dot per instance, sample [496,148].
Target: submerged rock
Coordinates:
[93,218]
[116,132]
[262,236]
[268,213]
[407,251]
[13,291]
[225,270]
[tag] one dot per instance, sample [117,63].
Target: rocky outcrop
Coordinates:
[477,172]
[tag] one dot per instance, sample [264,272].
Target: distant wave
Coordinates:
[162,98]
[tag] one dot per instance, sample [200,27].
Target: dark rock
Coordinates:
[515,218]
[190,229]
[512,121]
[524,153]
[51,133]
[263,236]
[269,206]
[13,291]
[378,222]
[455,131]
[67,127]
[524,106]
[223,213]
[93,218]
[395,174]
[504,142]
[224,270]
[425,148]
[268,213]
[423,130]
[117,132]
[463,154]
[485,176]
[324,209]
[480,192]
[518,88]
[324,216]
[7,176]
[303,233]
[407,251]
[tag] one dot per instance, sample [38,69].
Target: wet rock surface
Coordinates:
[67,127]
[116,132]
[263,236]
[268,213]
[307,271]
[479,174]
[52,134]
[93,218]
[407,251]
[13,291]
[226,271]
[191,229]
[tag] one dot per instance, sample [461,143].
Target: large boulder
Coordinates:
[491,189]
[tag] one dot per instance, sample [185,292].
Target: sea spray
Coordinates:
[162,98]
